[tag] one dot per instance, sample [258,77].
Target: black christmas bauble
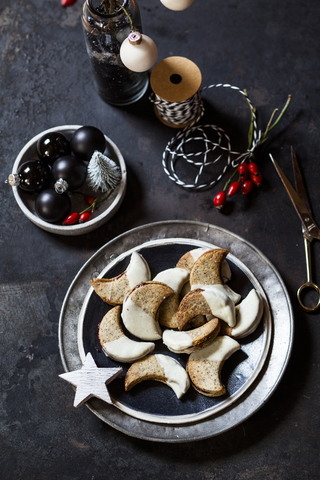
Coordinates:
[51,206]
[51,146]
[86,140]
[32,176]
[71,170]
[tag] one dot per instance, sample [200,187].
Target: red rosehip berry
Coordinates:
[89,199]
[243,168]
[253,167]
[85,217]
[71,219]
[246,187]
[245,176]
[234,188]
[220,199]
[68,3]
[256,178]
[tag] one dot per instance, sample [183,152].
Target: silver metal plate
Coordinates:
[272,363]
[148,400]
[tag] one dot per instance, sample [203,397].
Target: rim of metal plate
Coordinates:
[274,367]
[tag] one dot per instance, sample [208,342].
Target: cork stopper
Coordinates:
[135,38]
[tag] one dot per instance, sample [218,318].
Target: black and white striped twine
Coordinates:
[191,110]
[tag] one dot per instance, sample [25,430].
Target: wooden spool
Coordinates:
[175,79]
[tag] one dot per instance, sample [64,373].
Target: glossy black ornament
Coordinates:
[51,146]
[51,206]
[32,176]
[71,170]
[86,140]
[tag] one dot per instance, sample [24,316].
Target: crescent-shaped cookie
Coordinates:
[116,344]
[207,269]
[192,305]
[161,368]
[140,308]
[191,340]
[198,321]
[204,366]
[175,278]
[248,315]
[205,302]
[167,315]
[188,259]
[114,290]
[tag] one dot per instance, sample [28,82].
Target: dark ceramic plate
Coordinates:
[155,401]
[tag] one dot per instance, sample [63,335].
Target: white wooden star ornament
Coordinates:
[91,381]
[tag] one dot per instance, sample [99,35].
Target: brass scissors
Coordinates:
[310,230]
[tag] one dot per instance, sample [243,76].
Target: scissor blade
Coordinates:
[301,190]
[310,228]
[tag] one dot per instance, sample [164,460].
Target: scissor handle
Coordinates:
[309,283]
[303,287]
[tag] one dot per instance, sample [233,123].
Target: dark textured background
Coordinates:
[272,50]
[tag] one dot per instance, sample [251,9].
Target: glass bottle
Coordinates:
[104,34]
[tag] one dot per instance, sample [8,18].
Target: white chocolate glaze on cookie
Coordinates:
[126,350]
[161,368]
[115,343]
[175,278]
[204,366]
[138,270]
[176,341]
[176,376]
[114,290]
[220,304]
[197,252]
[140,323]
[191,340]
[234,296]
[140,307]
[219,350]
[248,315]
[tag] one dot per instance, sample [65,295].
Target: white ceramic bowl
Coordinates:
[100,216]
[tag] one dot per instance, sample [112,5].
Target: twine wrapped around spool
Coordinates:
[175,82]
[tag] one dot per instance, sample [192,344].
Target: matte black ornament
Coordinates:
[51,206]
[68,172]
[86,140]
[32,177]
[51,146]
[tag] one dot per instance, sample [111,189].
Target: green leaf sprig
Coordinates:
[262,137]
[110,7]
